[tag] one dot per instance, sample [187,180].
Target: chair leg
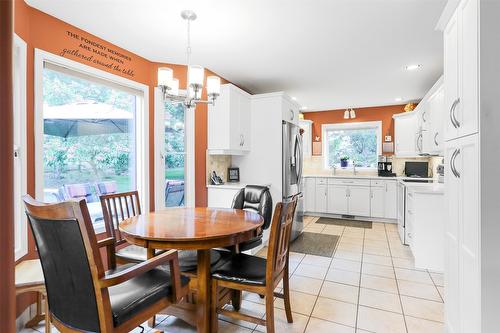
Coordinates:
[236,299]
[47,314]
[214,321]
[269,311]
[286,298]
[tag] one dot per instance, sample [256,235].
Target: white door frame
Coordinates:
[142,120]
[159,160]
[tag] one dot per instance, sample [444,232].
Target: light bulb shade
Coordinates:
[190,92]
[213,85]
[353,114]
[196,74]
[174,87]
[165,75]
[346,114]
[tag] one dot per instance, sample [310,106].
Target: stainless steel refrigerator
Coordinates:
[292,161]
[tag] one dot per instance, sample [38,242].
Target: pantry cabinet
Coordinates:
[229,122]
[461,71]
[462,234]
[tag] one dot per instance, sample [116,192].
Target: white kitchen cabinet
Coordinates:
[321,198]
[338,201]
[462,234]
[377,202]
[391,200]
[359,200]
[309,194]
[433,142]
[405,131]
[306,125]
[290,111]
[221,197]
[461,77]
[229,122]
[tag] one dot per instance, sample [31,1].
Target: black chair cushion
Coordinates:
[243,268]
[137,294]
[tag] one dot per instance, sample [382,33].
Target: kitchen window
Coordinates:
[359,143]
[89,137]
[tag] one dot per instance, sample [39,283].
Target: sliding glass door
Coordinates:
[89,135]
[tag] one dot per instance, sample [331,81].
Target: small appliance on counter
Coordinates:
[385,167]
[417,169]
[440,172]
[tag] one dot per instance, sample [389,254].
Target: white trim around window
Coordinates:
[159,159]
[142,121]
[350,126]
[20,165]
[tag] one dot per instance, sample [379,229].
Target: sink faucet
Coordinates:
[334,168]
[354,167]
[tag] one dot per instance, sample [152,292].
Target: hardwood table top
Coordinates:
[191,225]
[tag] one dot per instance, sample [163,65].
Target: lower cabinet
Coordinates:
[359,200]
[321,198]
[338,200]
[377,202]
[345,196]
[391,200]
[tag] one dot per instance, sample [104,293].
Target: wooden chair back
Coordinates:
[279,239]
[71,263]
[117,207]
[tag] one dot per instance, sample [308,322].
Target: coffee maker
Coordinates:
[385,167]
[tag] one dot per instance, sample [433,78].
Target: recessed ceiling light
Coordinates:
[413,67]
[294,98]
[398,99]
[304,108]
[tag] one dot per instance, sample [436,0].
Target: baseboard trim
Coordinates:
[356,218]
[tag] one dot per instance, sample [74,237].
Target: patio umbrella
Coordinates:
[87,118]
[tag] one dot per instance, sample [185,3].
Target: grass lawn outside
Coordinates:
[174,174]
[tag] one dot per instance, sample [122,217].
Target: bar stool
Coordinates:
[29,277]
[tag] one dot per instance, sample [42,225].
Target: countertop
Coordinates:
[434,187]
[233,186]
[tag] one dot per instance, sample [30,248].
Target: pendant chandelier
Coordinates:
[195,77]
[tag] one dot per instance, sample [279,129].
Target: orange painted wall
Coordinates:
[378,113]
[42,31]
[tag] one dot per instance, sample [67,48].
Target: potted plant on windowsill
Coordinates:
[344,161]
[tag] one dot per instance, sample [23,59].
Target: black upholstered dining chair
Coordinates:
[258,275]
[257,199]
[82,296]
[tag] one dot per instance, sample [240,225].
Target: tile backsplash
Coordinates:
[315,166]
[219,164]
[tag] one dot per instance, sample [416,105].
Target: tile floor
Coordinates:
[369,285]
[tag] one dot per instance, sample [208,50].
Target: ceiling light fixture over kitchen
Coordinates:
[195,77]
[349,113]
[413,67]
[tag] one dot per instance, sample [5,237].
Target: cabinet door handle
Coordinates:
[435,138]
[292,114]
[423,116]
[452,162]
[241,140]
[453,119]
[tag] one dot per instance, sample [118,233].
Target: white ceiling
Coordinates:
[328,54]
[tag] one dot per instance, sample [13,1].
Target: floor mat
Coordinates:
[316,244]
[345,223]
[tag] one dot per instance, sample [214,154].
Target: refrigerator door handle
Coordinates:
[298,157]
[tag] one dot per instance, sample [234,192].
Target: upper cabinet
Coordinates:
[405,132]
[290,110]
[420,132]
[461,71]
[229,122]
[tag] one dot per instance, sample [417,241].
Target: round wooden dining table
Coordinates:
[198,229]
